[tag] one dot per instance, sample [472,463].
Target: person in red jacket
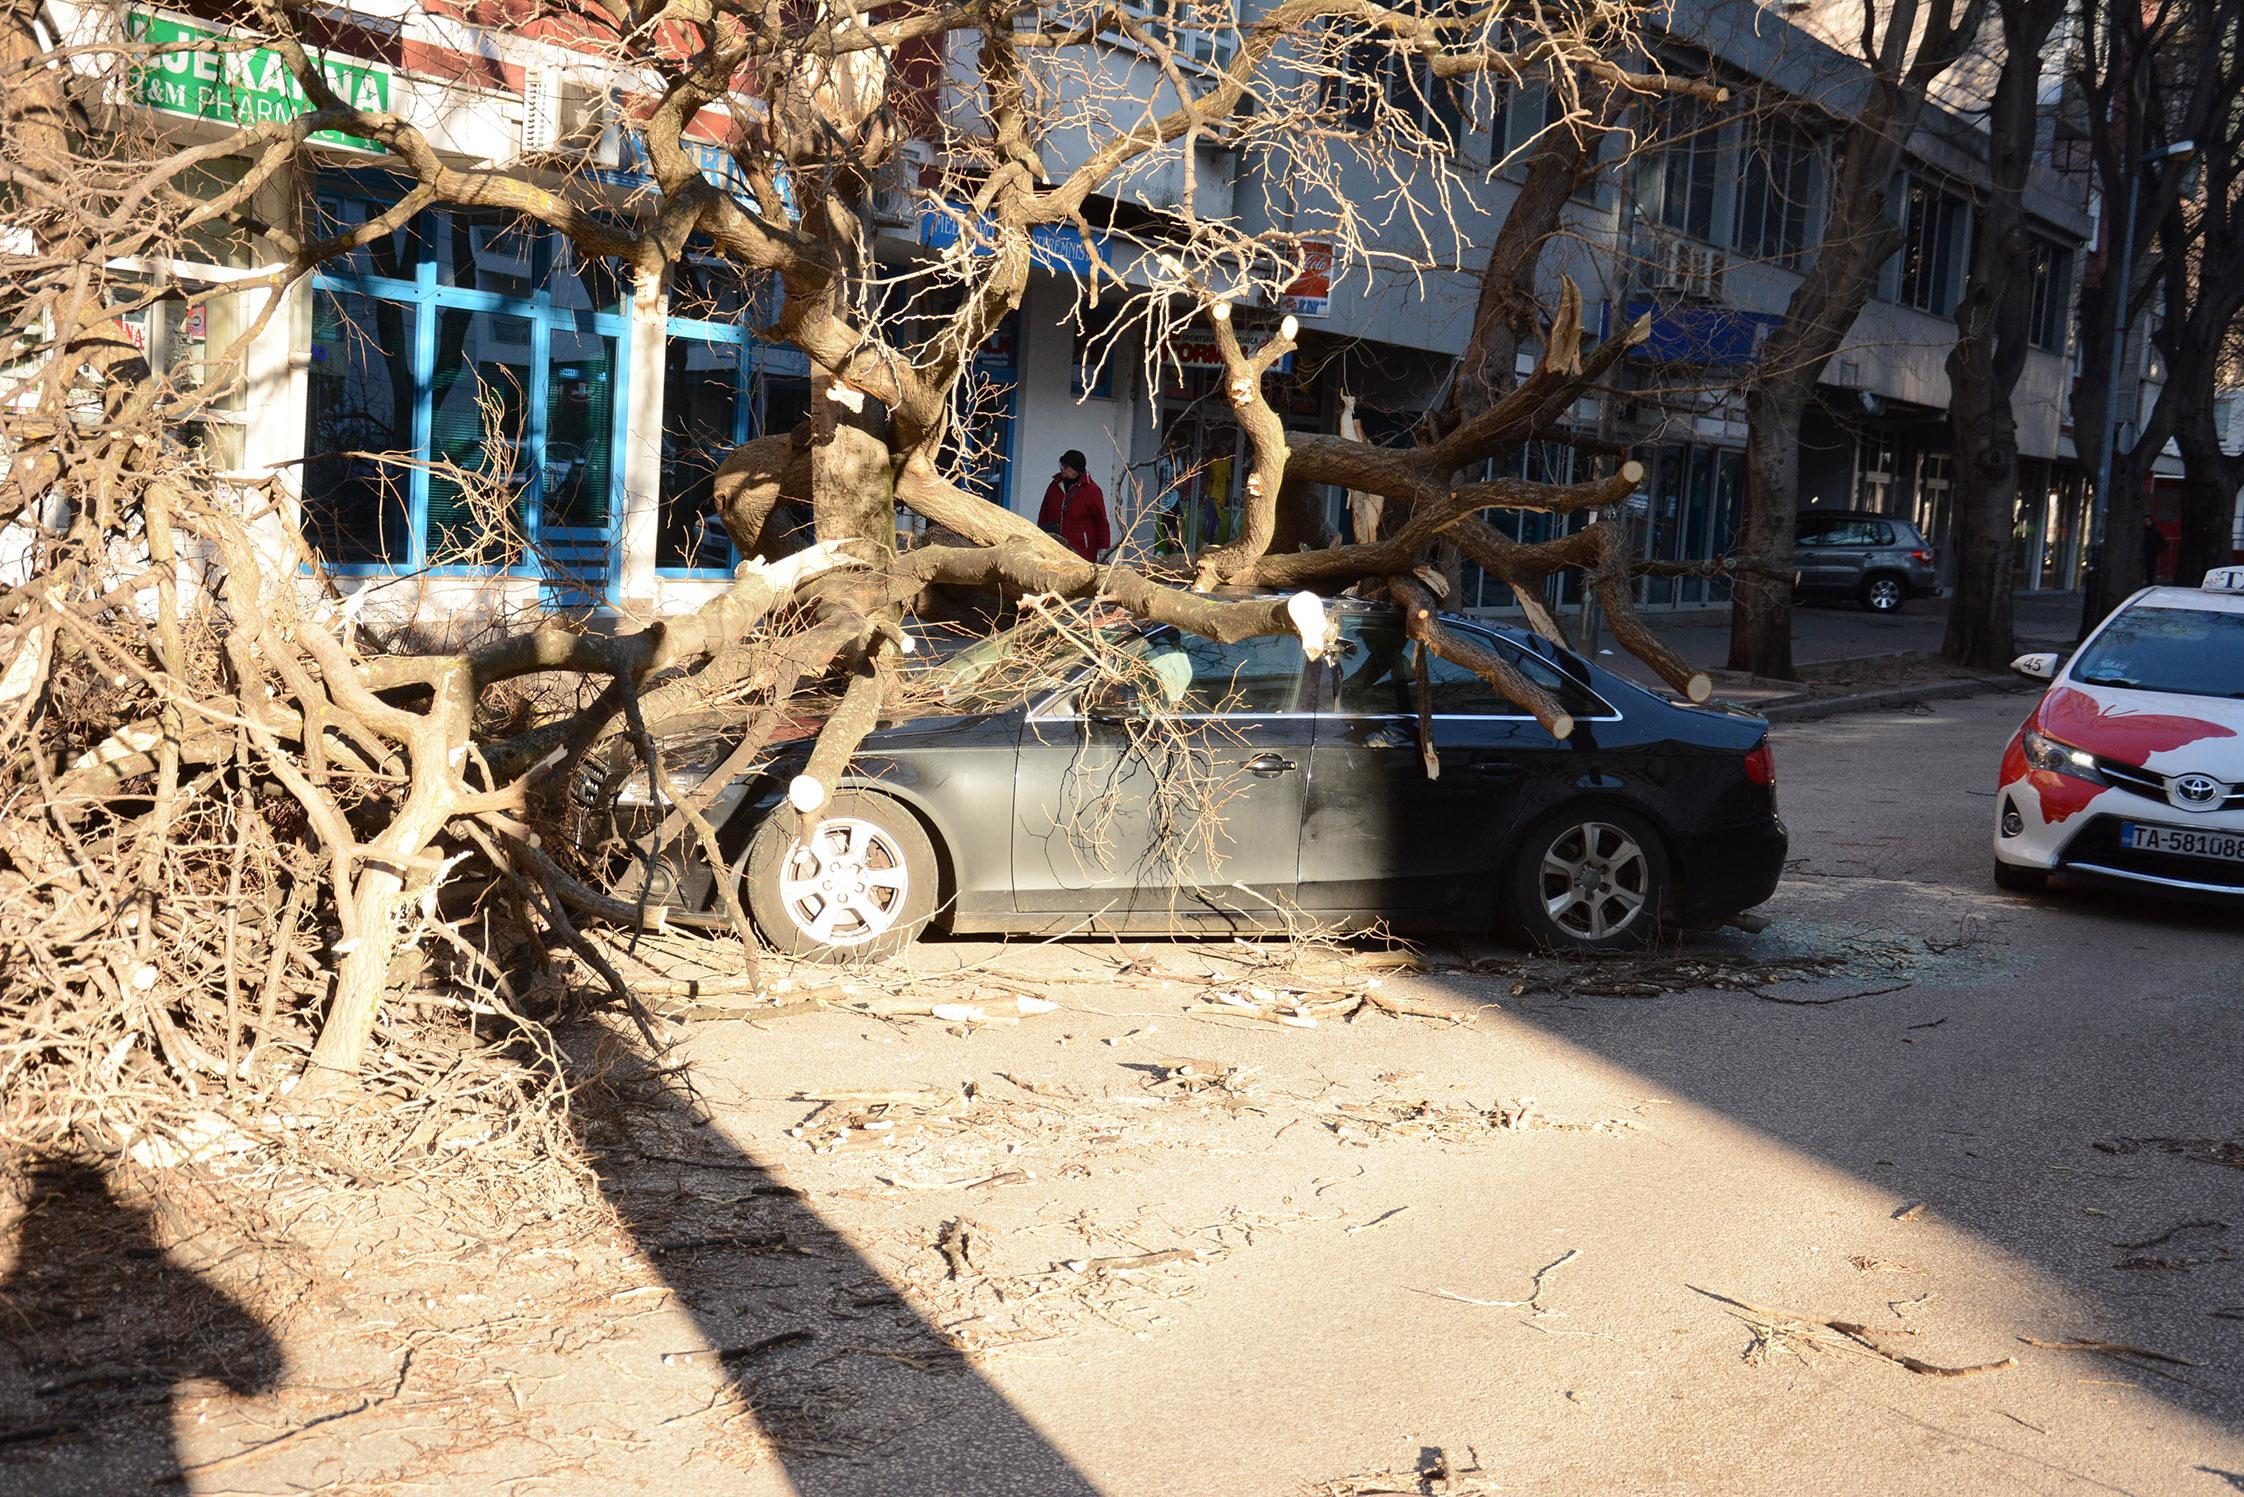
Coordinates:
[1075,509]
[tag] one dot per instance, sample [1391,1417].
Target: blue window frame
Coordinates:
[471,343]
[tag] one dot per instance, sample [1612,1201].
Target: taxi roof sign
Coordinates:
[2225,580]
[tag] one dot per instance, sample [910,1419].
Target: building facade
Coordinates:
[560,424]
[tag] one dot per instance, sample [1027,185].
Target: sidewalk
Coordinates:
[1842,650]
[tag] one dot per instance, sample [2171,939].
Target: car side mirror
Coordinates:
[2041,666]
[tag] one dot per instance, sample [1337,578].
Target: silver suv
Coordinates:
[1876,559]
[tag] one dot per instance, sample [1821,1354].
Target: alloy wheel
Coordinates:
[845,884]
[1595,880]
[1885,595]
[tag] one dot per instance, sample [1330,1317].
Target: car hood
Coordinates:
[2157,730]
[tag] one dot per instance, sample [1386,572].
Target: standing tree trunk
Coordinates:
[1993,325]
[1858,237]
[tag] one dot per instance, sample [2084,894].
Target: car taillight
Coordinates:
[1922,558]
[1761,764]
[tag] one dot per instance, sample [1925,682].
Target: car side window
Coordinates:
[1813,532]
[1882,535]
[1262,674]
[1378,677]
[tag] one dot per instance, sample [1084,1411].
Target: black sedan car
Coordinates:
[1236,786]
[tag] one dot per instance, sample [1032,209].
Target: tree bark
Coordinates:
[1858,238]
[1992,329]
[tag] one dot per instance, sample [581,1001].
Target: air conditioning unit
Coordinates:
[561,116]
[1703,278]
[1668,269]
[897,199]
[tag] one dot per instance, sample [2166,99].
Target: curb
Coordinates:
[1895,696]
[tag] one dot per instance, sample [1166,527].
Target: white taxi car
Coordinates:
[2129,772]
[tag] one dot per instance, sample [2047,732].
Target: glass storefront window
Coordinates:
[479,391]
[362,403]
[482,250]
[701,411]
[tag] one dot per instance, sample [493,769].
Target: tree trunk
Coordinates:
[2208,494]
[1993,324]
[1857,239]
[1761,611]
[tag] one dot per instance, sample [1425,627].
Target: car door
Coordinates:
[1846,552]
[1377,834]
[1188,814]
[1811,551]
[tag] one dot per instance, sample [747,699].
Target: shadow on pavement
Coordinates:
[2094,1140]
[856,1393]
[102,1329]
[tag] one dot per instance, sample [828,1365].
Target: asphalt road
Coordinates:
[1580,1240]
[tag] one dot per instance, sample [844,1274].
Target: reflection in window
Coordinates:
[361,403]
[1202,675]
[1779,174]
[1932,245]
[1378,677]
[700,422]
[580,413]
[2190,650]
[479,390]
[1675,184]
[482,250]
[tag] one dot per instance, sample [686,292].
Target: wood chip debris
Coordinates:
[1306,1008]
[1134,1262]
[1777,1327]
[1534,1300]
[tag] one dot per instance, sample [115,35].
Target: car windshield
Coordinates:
[2193,651]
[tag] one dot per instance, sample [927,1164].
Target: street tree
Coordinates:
[1905,47]
[2157,87]
[1993,329]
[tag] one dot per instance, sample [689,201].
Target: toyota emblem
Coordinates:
[2198,789]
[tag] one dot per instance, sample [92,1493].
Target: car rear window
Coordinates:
[2194,651]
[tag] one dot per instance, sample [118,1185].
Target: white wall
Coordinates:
[1047,418]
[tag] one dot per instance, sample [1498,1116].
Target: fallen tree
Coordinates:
[241,815]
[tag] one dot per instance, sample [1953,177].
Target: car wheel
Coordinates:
[1593,880]
[2020,880]
[1884,594]
[858,885]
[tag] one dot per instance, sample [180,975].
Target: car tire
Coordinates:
[1595,879]
[860,886]
[2017,880]
[1884,593]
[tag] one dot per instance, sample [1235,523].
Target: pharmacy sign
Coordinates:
[248,85]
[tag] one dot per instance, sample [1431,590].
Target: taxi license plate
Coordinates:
[2185,841]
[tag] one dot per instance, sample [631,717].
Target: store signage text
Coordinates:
[1054,247]
[248,86]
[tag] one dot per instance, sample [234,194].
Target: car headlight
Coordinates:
[2061,758]
[684,769]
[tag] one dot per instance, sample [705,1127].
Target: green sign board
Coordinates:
[247,85]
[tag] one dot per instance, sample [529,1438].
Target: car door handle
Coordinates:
[1493,769]
[1267,765]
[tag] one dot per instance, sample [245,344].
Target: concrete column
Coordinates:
[642,447]
[275,384]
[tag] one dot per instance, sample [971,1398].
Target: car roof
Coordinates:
[1352,607]
[2198,598]
[1820,513]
